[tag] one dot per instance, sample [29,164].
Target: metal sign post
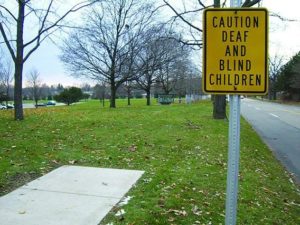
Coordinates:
[235,59]
[233,153]
[233,160]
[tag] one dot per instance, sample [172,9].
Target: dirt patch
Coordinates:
[16,181]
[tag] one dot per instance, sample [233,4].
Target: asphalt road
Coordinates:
[31,106]
[279,126]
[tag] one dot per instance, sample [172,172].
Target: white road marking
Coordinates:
[274,115]
[257,108]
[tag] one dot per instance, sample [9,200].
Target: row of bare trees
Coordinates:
[120,43]
[34,89]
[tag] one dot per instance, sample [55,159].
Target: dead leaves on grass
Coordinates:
[191,125]
[132,148]
[176,212]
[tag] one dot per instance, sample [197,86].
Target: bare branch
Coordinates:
[39,43]
[43,30]
[283,18]
[249,3]
[200,3]
[9,12]
[224,4]
[11,51]
[180,15]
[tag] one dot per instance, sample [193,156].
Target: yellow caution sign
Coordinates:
[235,51]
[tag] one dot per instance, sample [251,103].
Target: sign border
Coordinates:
[205,52]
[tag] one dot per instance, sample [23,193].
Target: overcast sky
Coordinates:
[284,40]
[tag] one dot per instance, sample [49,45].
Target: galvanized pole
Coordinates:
[233,152]
[233,160]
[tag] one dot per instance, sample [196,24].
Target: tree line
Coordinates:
[38,91]
[284,78]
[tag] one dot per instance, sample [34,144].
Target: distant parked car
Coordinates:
[40,105]
[51,103]
[3,106]
[10,106]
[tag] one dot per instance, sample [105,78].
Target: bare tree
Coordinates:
[12,24]
[171,68]
[85,87]
[181,86]
[194,35]
[128,86]
[275,65]
[6,78]
[153,62]
[35,85]
[186,72]
[148,62]
[105,47]
[100,92]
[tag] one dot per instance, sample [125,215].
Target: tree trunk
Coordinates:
[270,94]
[219,101]
[18,91]
[7,94]
[36,102]
[128,100]
[113,96]
[19,63]
[103,97]
[148,97]
[217,4]
[103,102]
[128,96]
[219,107]
[274,95]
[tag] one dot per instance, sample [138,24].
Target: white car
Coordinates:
[3,106]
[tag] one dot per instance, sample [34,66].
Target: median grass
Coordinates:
[182,150]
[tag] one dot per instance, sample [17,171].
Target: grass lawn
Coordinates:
[182,150]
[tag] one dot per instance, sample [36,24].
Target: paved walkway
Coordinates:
[68,195]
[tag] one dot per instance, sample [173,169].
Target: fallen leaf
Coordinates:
[132,148]
[171,219]
[196,210]
[73,162]
[125,201]
[178,212]
[121,212]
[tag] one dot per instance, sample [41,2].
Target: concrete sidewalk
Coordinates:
[69,195]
